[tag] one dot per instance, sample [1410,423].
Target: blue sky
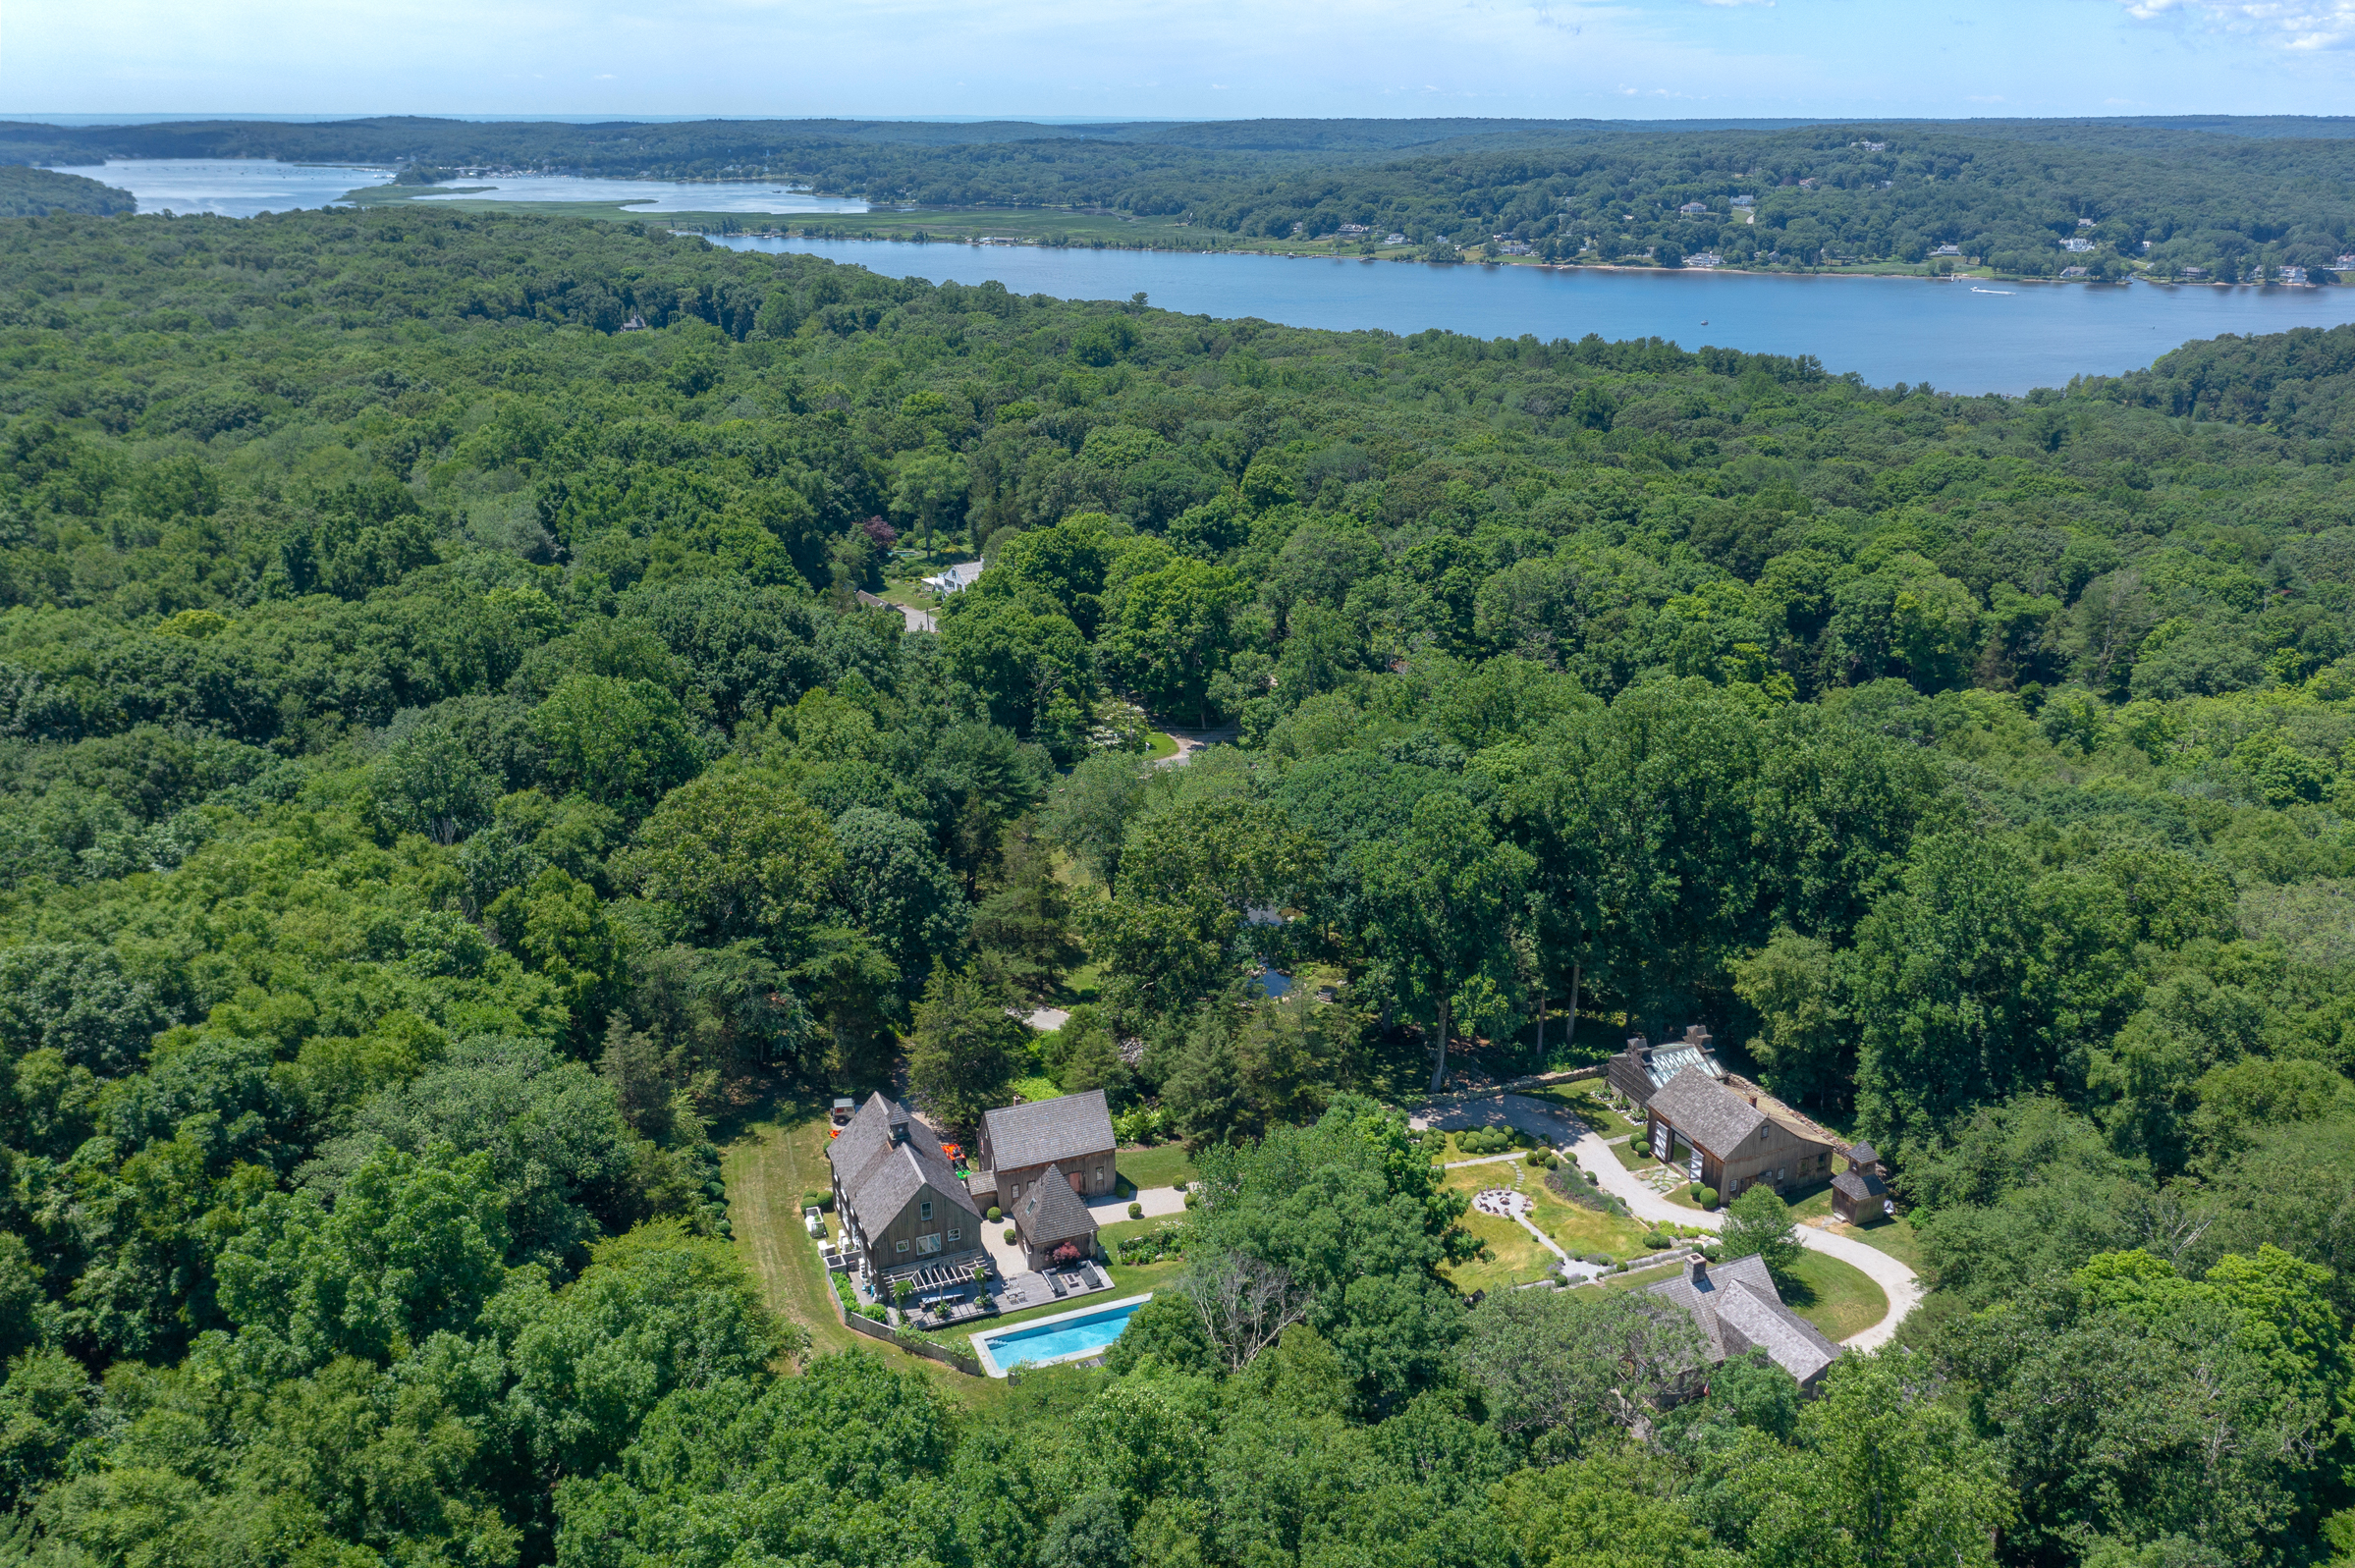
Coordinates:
[1189,59]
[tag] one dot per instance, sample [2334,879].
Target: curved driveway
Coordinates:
[1896,1281]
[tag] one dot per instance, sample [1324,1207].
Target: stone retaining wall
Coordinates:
[857,1324]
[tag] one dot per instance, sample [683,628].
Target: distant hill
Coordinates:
[28,192]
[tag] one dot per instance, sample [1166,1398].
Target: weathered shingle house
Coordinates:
[1050,1218]
[1739,1310]
[1019,1143]
[1725,1141]
[1642,1070]
[1858,1194]
[901,1203]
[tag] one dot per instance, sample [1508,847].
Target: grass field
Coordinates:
[1838,1298]
[1159,746]
[1163,1165]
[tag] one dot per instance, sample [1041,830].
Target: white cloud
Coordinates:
[2301,24]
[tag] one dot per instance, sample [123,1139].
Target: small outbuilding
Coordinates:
[1049,1218]
[1860,1193]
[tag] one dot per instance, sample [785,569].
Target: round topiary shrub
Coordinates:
[995,1214]
[1137,1210]
[1692,1190]
[1593,1180]
[1539,1160]
[1191,1194]
[1656,1241]
[1010,1237]
[1709,1198]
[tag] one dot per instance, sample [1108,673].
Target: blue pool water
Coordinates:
[1043,1343]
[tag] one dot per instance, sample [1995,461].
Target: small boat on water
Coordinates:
[2007,292]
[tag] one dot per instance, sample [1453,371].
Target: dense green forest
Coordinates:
[2230,198]
[28,192]
[448,774]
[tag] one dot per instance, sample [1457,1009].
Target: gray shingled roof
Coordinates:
[1864,1154]
[1707,1112]
[1052,1212]
[1064,1128]
[879,1176]
[1739,1310]
[1860,1185]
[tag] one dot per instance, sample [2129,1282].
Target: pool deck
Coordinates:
[989,1363]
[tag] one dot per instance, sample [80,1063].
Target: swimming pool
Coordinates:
[1067,1336]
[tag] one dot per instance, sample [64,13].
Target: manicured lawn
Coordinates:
[1163,1165]
[1119,1231]
[1896,1237]
[1838,1298]
[1159,746]
[1638,1278]
[780,1154]
[1588,1106]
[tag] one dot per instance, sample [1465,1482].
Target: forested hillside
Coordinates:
[27,193]
[2233,198]
[448,774]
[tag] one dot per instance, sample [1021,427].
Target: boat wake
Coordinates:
[2007,292]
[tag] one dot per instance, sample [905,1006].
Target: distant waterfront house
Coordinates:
[1859,1195]
[1807,184]
[1745,201]
[2089,223]
[1704,259]
[1724,1140]
[1070,1135]
[1739,1310]
[2194,274]
[2076,245]
[2076,272]
[1352,231]
[1512,248]
[1694,209]
[1395,239]
[2291,274]
[1948,251]
[902,1207]
[1642,1070]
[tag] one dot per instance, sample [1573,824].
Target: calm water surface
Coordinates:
[1885,329]
[647,195]
[231,187]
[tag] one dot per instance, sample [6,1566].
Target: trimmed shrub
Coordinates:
[1656,1241]
[1709,1198]
[1692,1190]
[996,1214]
[1010,1235]
[822,1201]
[1191,1194]
[1137,1210]
[1593,1180]
[1539,1160]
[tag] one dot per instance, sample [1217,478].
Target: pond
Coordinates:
[1955,336]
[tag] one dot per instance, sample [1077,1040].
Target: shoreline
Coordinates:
[716,236]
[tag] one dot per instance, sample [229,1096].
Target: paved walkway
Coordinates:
[1191,741]
[1157,1202]
[1896,1281]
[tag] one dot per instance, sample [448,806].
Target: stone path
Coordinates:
[1157,1202]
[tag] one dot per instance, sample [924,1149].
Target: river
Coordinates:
[2007,336]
